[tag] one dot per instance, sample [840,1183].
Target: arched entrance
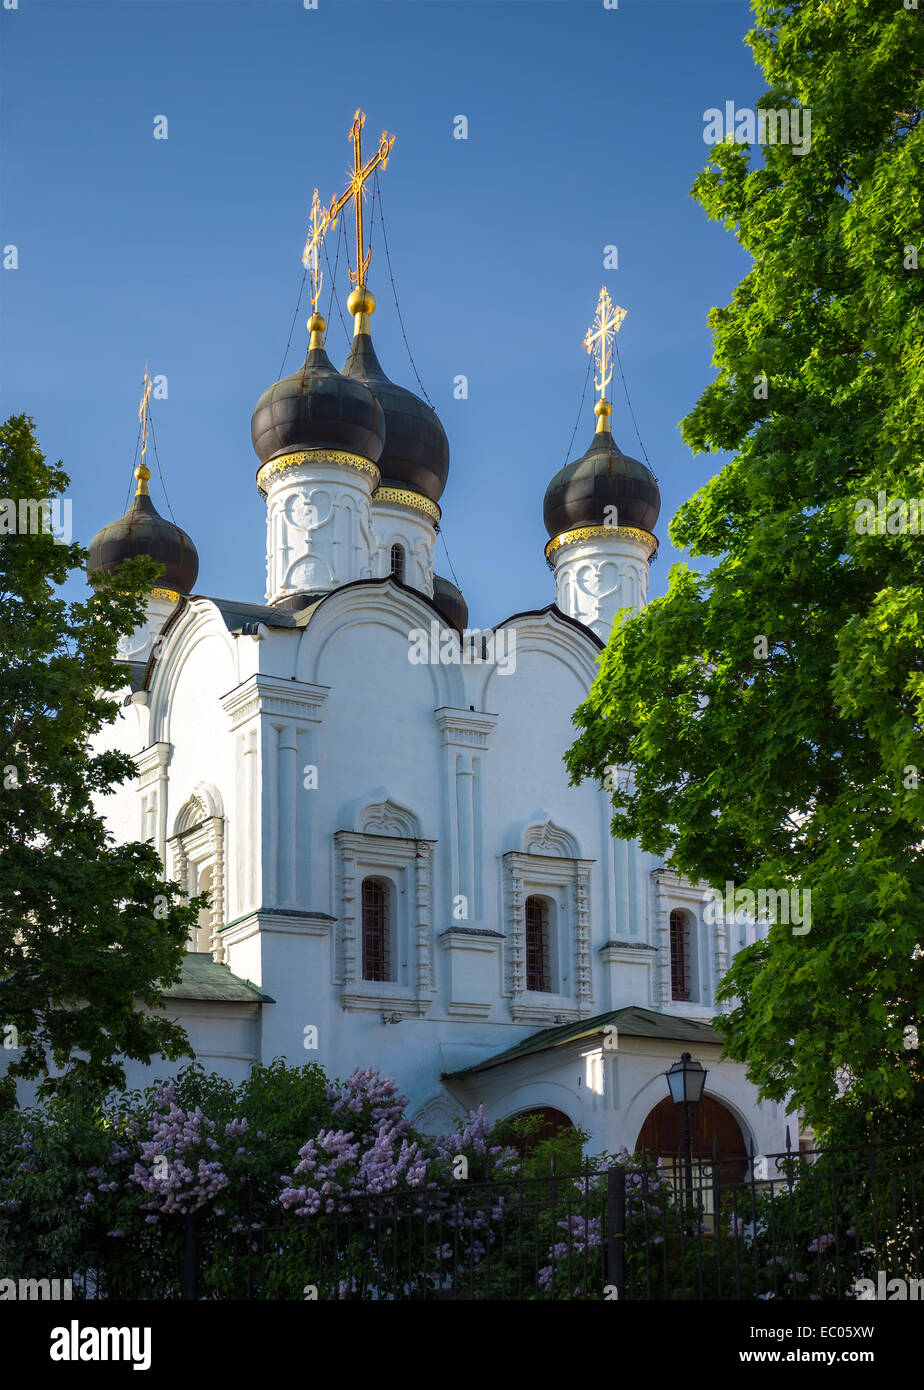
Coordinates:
[552,1124]
[714,1131]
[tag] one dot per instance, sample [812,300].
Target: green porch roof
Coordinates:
[203,978]
[633,1022]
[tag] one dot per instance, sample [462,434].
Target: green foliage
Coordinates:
[75,1202]
[87,928]
[563,1153]
[802,765]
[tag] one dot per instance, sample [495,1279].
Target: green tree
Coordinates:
[88,930]
[772,708]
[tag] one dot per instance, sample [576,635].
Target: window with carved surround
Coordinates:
[554,983]
[693,953]
[198,853]
[538,945]
[378,929]
[384,933]
[679,925]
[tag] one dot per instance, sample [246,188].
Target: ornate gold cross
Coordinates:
[358,176]
[310,255]
[143,413]
[600,336]
[142,472]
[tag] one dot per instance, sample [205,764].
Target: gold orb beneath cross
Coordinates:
[361,301]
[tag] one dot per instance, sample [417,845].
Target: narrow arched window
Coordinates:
[376,930]
[680,955]
[538,973]
[397,562]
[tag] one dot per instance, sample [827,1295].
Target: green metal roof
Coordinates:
[632,1022]
[203,978]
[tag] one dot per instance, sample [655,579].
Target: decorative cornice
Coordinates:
[171,595]
[592,533]
[287,699]
[451,933]
[404,1004]
[152,762]
[404,497]
[469,728]
[340,457]
[280,921]
[614,945]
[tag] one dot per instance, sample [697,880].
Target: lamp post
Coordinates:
[685,1081]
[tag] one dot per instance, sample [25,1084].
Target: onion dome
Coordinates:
[143,531]
[317,408]
[416,453]
[448,599]
[603,477]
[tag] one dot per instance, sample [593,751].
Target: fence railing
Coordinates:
[781,1226]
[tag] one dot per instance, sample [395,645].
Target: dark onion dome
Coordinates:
[416,453]
[143,531]
[604,476]
[448,599]
[317,408]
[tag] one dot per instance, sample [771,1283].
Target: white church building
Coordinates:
[400,874]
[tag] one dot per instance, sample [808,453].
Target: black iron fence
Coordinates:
[835,1224]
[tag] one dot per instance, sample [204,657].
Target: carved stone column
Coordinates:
[348,912]
[515,928]
[424,919]
[464,735]
[216,944]
[582,963]
[275,812]
[152,764]
[288,814]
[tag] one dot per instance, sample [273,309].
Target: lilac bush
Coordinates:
[177,1167]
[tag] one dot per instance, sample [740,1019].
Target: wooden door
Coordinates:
[714,1129]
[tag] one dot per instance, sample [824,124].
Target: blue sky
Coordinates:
[585,130]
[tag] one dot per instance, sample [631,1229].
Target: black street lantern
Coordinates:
[685,1081]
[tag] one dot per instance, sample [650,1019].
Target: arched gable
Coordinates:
[551,635]
[377,814]
[381,606]
[539,834]
[199,622]
[204,803]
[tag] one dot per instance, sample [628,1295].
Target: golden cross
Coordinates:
[600,335]
[310,255]
[358,176]
[143,413]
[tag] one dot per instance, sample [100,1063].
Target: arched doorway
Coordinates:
[552,1124]
[714,1131]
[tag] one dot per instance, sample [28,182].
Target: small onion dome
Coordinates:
[416,453]
[143,531]
[317,408]
[449,601]
[604,476]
